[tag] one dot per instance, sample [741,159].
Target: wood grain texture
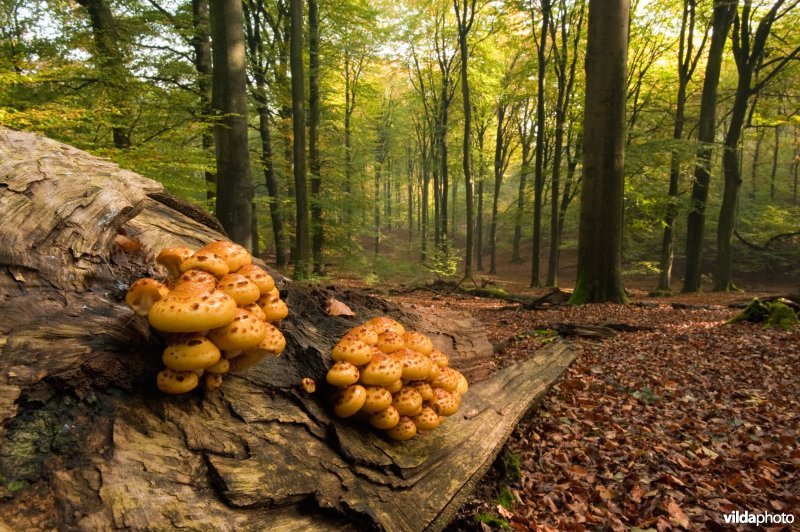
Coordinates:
[88,443]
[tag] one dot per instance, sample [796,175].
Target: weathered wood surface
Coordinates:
[86,441]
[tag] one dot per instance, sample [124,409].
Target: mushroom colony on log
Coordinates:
[218,311]
[394,379]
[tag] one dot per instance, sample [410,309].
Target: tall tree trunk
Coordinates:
[377,211]
[110,63]
[498,181]
[756,156]
[775,153]
[201,42]
[479,220]
[443,169]
[234,187]
[695,224]
[538,184]
[301,254]
[465,12]
[524,172]
[275,212]
[600,239]
[315,165]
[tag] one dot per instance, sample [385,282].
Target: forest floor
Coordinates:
[672,424]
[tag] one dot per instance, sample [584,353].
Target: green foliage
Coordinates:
[445,263]
[512,467]
[493,521]
[756,312]
[781,316]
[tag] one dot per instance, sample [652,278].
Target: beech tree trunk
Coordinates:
[315,164]
[301,251]
[87,441]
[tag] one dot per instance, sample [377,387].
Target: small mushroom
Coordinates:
[447,379]
[353,350]
[445,403]
[194,282]
[434,372]
[234,255]
[416,366]
[394,387]
[273,344]
[240,288]
[190,352]
[259,277]
[404,430]
[423,388]
[143,293]
[427,419]
[207,262]
[438,357]
[384,324]
[418,342]
[173,382]
[244,332]
[274,309]
[308,385]
[213,381]
[171,258]
[363,333]
[350,400]
[407,401]
[342,374]
[257,311]
[463,384]
[385,419]
[389,342]
[222,366]
[378,398]
[382,370]
[184,311]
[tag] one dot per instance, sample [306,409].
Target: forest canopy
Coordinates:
[396,93]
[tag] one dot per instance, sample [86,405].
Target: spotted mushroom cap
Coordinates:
[259,277]
[368,335]
[385,419]
[382,370]
[192,312]
[447,379]
[383,324]
[423,388]
[390,341]
[353,350]
[143,293]
[244,332]
[350,400]
[171,381]
[438,357]
[404,430]
[190,352]
[342,374]
[234,255]
[222,367]
[445,403]
[213,381]
[207,262]
[463,384]
[240,288]
[378,398]
[418,342]
[427,419]
[275,310]
[171,259]
[194,282]
[407,401]
[416,366]
[394,387]
[257,311]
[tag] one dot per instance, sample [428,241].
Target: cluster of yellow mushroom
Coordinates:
[394,379]
[218,311]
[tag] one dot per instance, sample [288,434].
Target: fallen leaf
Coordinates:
[337,308]
[676,514]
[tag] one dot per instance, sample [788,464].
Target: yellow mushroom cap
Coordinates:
[213,381]
[171,381]
[378,398]
[353,350]
[438,357]
[222,366]
[423,388]
[418,342]
[342,374]
[259,277]
[255,310]
[244,332]
[192,312]
[194,282]
[274,309]
[240,288]
[445,403]
[463,384]
[385,419]
[434,372]
[447,379]
[368,335]
[273,344]
[389,342]
[143,293]
[350,400]
[394,387]
[382,370]
[191,352]
[416,366]
[407,401]
[384,324]
[234,255]
[308,385]
[404,430]
[207,262]
[427,419]
[171,259]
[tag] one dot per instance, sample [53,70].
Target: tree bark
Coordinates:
[538,178]
[315,165]
[234,187]
[695,224]
[201,42]
[600,238]
[301,254]
[89,443]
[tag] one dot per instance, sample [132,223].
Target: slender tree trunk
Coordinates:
[377,213]
[201,42]
[756,156]
[234,187]
[498,181]
[273,190]
[315,165]
[443,170]
[695,226]
[301,255]
[479,221]
[539,162]
[600,239]
[775,153]
[524,172]
[467,156]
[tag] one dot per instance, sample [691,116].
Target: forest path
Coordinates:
[675,423]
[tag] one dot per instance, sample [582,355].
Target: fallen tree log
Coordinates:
[86,440]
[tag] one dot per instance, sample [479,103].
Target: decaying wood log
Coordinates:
[87,442]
